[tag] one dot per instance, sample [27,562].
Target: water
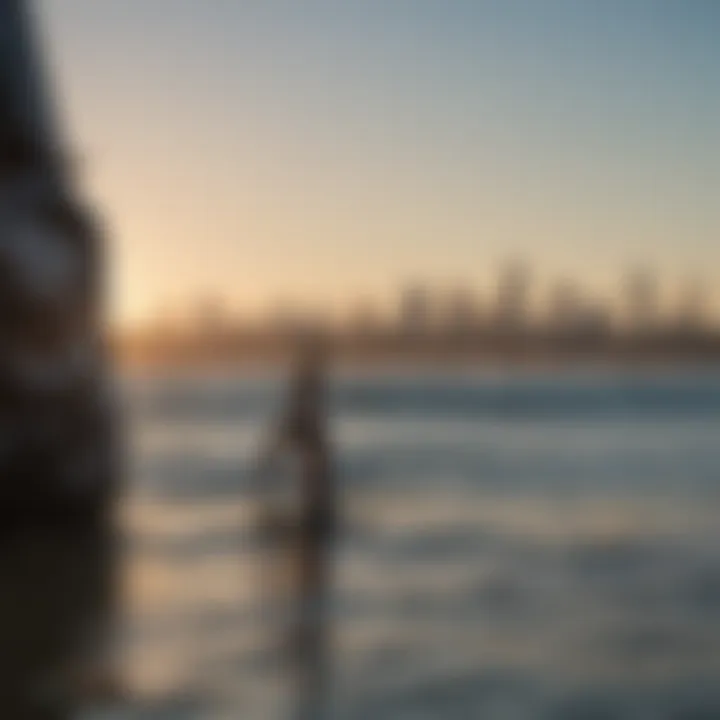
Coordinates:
[524,545]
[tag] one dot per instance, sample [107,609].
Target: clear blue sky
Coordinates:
[325,148]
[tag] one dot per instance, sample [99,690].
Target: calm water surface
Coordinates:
[519,545]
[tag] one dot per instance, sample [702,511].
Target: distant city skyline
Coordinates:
[327,150]
[516,301]
[431,323]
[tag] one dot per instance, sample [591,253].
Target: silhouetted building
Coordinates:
[284,319]
[364,321]
[565,307]
[642,298]
[461,314]
[512,304]
[415,311]
[211,318]
[594,321]
[691,314]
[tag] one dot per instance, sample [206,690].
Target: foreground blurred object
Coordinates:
[303,531]
[58,461]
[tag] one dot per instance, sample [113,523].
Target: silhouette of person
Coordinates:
[302,431]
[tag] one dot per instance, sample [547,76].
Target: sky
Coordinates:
[319,151]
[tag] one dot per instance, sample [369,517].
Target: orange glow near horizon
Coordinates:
[266,158]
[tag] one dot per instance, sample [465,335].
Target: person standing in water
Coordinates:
[309,534]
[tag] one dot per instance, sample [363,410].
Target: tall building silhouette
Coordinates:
[565,307]
[511,313]
[210,317]
[416,311]
[642,301]
[461,313]
[364,320]
[691,312]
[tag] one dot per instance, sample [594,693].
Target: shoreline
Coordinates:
[393,363]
